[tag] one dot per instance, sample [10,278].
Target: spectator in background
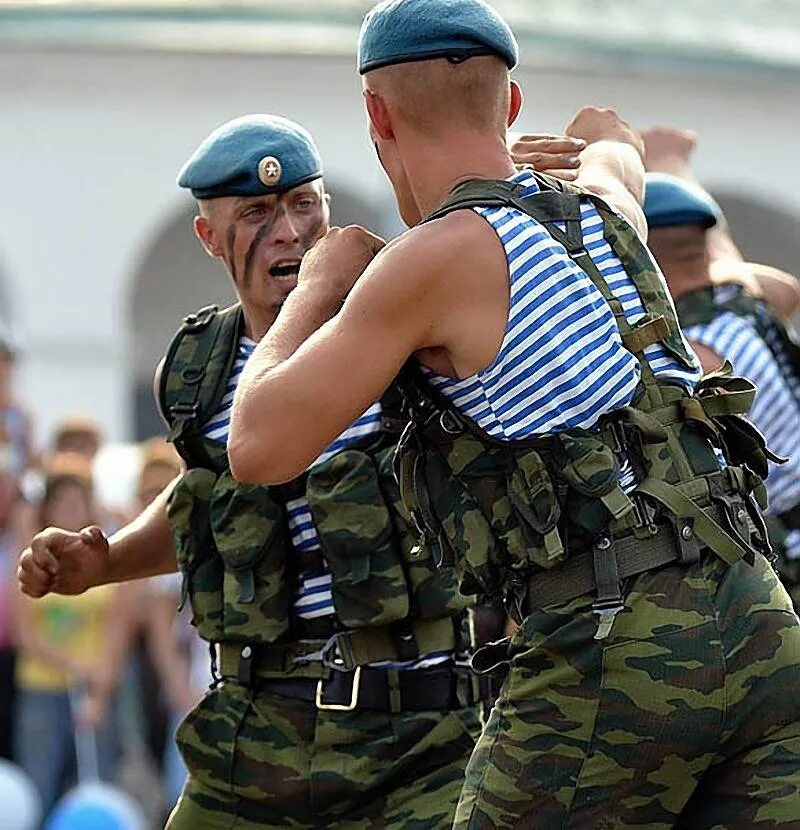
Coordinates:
[65,645]
[78,434]
[155,663]
[16,457]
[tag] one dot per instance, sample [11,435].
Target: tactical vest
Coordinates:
[702,306]
[234,546]
[538,522]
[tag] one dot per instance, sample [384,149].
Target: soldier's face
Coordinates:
[262,239]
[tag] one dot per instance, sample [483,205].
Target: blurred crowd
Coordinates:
[91,686]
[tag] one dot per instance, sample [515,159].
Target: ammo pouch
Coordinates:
[358,541]
[201,568]
[251,538]
[231,544]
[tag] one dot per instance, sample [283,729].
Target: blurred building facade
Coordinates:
[101,103]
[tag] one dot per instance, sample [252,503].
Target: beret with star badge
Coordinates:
[252,156]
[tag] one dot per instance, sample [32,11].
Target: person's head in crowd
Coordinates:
[8,353]
[78,434]
[679,216]
[436,85]
[68,493]
[261,205]
[159,466]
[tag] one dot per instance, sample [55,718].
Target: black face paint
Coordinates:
[231,252]
[260,234]
[310,236]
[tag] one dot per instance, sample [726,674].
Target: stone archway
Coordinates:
[175,278]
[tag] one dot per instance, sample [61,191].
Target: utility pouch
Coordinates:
[188,510]
[435,590]
[471,508]
[534,501]
[588,466]
[251,536]
[358,541]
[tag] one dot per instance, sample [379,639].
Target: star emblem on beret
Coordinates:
[269,171]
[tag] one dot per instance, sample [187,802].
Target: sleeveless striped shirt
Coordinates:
[776,410]
[561,364]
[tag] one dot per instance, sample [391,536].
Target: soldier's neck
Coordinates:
[257,321]
[437,165]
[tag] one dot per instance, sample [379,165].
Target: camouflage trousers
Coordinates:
[260,761]
[687,716]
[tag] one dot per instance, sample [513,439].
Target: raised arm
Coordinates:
[611,165]
[322,364]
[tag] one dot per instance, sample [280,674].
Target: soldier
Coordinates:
[561,454]
[300,587]
[725,322]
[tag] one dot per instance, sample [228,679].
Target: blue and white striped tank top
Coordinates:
[561,364]
[313,598]
[776,410]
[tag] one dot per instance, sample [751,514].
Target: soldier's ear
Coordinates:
[208,239]
[514,102]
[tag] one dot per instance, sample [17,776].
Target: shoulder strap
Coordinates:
[557,206]
[696,307]
[195,372]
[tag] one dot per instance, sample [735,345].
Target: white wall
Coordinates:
[90,144]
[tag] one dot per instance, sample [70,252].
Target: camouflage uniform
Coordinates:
[655,677]
[301,732]
[704,305]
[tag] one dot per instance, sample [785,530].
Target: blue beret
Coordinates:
[672,201]
[252,156]
[400,31]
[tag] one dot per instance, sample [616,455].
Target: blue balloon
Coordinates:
[96,807]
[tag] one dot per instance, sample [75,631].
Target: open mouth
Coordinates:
[285,270]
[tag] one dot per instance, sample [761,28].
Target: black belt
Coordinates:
[386,690]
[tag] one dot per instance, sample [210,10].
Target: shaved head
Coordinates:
[435,94]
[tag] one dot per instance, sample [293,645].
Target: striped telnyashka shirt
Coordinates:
[561,364]
[776,410]
[313,596]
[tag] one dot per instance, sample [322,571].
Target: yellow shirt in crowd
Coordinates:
[77,626]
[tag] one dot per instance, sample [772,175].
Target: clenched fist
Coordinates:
[339,259]
[669,149]
[594,124]
[62,562]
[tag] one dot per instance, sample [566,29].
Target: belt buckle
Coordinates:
[339,707]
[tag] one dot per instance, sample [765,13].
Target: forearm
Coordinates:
[611,164]
[268,404]
[614,171]
[145,546]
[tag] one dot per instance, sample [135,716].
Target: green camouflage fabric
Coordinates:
[703,306]
[683,714]
[686,716]
[260,761]
[232,540]
[379,577]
